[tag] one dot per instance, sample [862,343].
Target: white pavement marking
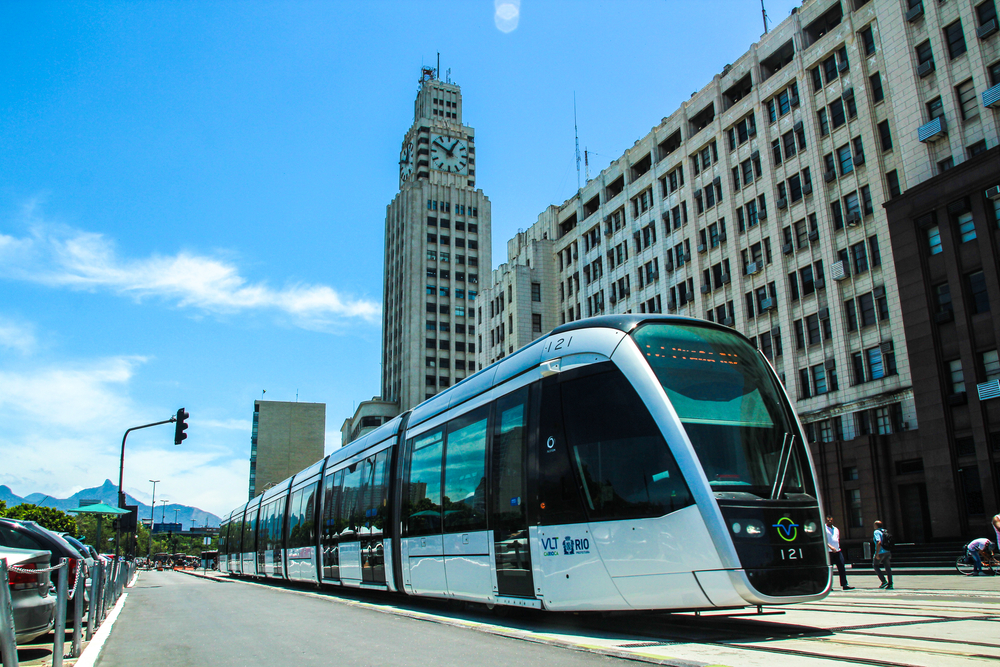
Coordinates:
[93,650]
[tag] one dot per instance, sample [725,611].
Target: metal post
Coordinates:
[60,629]
[95,587]
[8,638]
[80,588]
[103,595]
[121,478]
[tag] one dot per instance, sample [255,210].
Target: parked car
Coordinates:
[29,535]
[34,606]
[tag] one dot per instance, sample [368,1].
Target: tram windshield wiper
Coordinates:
[785,456]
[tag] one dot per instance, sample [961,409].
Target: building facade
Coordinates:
[946,239]
[368,417]
[437,244]
[286,438]
[759,204]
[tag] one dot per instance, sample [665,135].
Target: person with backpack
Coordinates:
[883,554]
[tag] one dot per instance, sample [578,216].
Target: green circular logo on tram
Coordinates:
[788,530]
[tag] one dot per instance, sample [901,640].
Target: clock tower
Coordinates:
[437,245]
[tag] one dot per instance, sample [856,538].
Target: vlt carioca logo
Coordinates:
[788,530]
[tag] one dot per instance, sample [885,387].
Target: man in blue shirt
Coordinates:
[882,557]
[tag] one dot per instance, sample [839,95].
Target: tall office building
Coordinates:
[286,438]
[437,242]
[759,204]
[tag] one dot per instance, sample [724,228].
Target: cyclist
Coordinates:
[976,550]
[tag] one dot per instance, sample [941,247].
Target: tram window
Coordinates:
[465,473]
[624,465]
[730,407]
[247,534]
[375,508]
[331,493]
[347,515]
[295,520]
[422,496]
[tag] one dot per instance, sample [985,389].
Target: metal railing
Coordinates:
[107,583]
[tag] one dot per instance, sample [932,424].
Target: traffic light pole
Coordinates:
[121,472]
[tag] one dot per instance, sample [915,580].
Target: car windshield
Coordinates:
[731,407]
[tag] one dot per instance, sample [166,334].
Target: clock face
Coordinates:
[406,161]
[449,154]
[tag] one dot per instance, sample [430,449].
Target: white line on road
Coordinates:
[93,650]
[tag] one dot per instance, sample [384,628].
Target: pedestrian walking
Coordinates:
[996,526]
[836,555]
[883,555]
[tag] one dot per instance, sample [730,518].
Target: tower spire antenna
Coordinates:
[576,132]
[763,13]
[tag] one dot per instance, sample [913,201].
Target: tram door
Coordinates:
[509,496]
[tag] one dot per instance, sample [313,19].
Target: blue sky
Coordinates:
[192,198]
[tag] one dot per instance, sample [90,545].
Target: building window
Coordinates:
[868,41]
[853,497]
[536,323]
[980,300]
[966,227]
[935,109]
[956,379]
[876,86]
[924,53]
[955,38]
[885,136]
[536,291]
[892,182]
[968,103]
[942,298]
[934,240]
[844,159]
[991,365]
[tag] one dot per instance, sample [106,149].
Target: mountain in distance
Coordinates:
[108,493]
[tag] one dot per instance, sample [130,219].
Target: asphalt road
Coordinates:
[174,619]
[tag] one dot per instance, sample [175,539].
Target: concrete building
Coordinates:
[369,416]
[286,438]
[437,244]
[759,204]
[946,239]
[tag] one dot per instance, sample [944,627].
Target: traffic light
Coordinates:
[180,426]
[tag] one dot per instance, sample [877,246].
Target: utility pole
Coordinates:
[764,14]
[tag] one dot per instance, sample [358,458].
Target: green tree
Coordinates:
[47,517]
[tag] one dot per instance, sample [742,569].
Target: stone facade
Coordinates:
[758,204]
[287,437]
[437,245]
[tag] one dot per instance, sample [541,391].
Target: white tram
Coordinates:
[618,463]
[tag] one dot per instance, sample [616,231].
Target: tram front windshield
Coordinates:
[731,407]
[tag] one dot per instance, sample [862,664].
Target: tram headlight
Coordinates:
[754,529]
[809,527]
[737,527]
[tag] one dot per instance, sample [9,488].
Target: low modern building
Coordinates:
[286,438]
[368,417]
[759,204]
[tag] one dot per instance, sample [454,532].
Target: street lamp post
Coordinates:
[152,519]
[163,512]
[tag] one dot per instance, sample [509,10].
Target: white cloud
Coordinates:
[74,395]
[59,256]
[60,436]
[17,336]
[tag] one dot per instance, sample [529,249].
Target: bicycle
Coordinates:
[966,565]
